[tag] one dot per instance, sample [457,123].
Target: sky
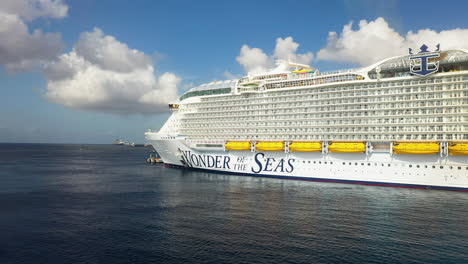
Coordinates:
[84,71]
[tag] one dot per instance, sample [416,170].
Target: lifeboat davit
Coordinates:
[270,146]
[346,147]
[237,145]
[298,146]
[458,148]
[416,147]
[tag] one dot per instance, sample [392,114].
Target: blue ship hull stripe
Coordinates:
[385,184]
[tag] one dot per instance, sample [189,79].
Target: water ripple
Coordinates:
[102,204]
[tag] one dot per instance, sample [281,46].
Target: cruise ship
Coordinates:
[401,122]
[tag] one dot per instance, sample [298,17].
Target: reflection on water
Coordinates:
[71,203]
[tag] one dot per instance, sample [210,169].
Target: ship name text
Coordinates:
[271,164]
[206,161]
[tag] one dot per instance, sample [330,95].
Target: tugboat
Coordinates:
[119,142]
[154,158]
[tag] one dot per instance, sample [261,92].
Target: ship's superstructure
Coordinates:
[402,121]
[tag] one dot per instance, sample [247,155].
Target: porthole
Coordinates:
[441,167]
[389,165]
[417,166]
[459,168]
[410,166]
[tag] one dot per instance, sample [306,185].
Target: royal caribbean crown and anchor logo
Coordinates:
[424,62]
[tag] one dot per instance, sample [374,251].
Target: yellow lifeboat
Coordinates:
[347,147]
[416,147]
[305,146]
[458,148]
[304,71]
[237,145]
[269,146]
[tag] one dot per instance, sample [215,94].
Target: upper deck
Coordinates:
[289,75]
[384,102]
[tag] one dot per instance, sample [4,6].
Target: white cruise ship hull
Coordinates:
[401,122]
[381,169]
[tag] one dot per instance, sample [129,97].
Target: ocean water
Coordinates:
[104,204]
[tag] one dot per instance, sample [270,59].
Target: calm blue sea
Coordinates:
[104,204]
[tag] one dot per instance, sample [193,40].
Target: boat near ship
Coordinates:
[400,122]
[118,142]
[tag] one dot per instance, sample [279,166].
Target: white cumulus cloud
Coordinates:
[255,60]
[448,39]
[100,73]
[287,49]
[32,9]
[109,53]
[20,49]
[103,74]
[376,40]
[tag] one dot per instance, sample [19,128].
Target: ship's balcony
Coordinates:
[384,88]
